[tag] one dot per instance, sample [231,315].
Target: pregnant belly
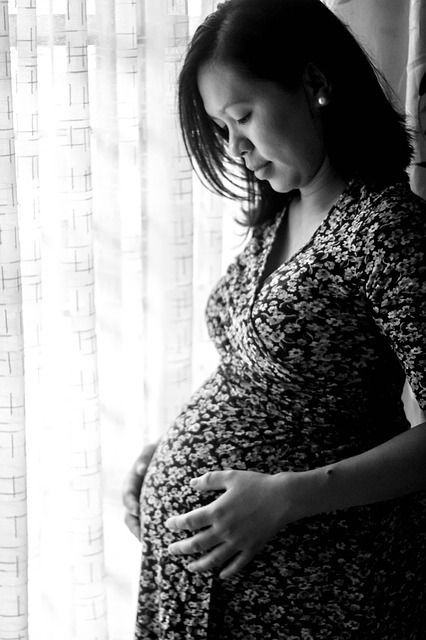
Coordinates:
[230,425]
[224,426]
[221,427]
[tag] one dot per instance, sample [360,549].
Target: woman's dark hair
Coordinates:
[365,135]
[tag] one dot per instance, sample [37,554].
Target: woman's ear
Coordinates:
[316,86]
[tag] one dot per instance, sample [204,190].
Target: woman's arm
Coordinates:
[392,469]
[253,507]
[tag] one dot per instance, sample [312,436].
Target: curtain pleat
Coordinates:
[117,99]
[74,433]
[169,249]
[13,499]
[207,6]
[130,205]
[26,114]
[208,253]
[86,532]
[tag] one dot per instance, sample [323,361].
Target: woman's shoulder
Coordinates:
[391,209]
[393,201]
[388,223]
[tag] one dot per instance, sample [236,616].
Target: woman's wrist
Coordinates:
[303,494]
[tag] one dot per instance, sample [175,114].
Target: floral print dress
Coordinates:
[312,365]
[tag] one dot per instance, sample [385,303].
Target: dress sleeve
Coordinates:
[393,248]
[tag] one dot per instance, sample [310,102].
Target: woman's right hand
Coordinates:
[132,489]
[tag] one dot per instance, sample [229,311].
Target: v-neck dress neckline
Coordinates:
[282,219]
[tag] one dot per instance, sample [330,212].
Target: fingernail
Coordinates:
[193,482]
[191,568]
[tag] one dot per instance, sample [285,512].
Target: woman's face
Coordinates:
[278,133]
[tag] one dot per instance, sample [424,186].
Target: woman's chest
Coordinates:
[293,234]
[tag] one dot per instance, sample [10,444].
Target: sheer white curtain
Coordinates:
[107,246]
[108,249]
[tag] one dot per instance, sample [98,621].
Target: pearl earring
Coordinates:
[322,101]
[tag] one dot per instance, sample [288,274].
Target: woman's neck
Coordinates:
[322,191]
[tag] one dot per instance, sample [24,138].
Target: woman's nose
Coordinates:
[238,144]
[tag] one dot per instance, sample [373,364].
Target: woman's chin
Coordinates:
[282,185]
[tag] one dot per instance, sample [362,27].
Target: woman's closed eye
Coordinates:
[244,119]
[224,132]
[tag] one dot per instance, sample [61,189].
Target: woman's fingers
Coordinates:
[212,481]
[131,516]
[133,524]
[131,503]
[235,566]
[141,467]
[201,517]
[203,541]
[216,558]
[191,521]
[131,490]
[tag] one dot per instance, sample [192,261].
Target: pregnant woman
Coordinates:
[287,500]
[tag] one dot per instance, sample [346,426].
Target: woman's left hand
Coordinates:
[235,526]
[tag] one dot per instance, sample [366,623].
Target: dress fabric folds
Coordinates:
[312,365]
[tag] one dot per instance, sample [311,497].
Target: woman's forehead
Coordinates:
[221,86]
